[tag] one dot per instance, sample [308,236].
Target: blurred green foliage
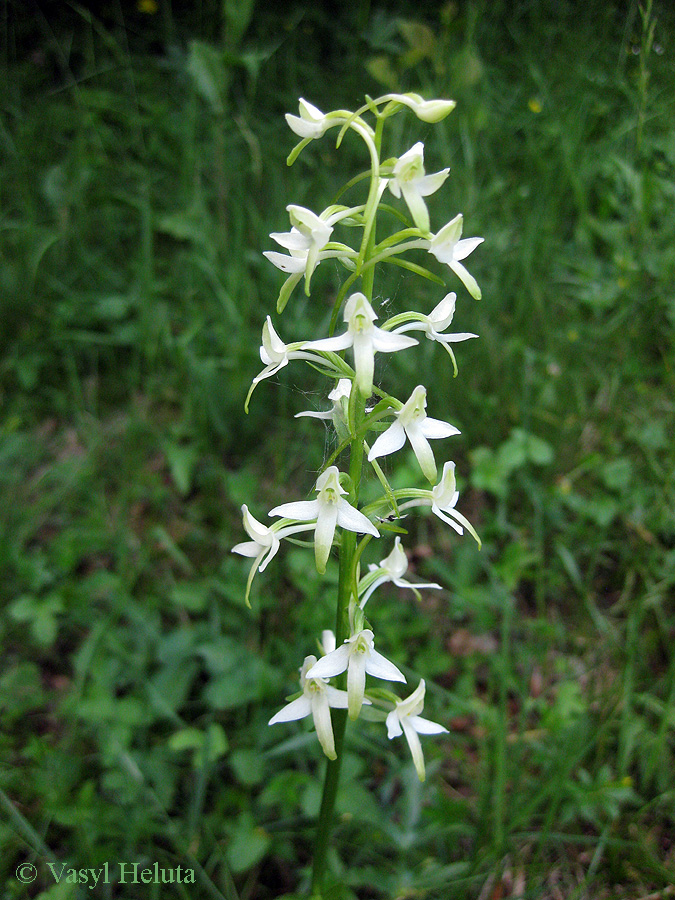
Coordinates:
[142,168]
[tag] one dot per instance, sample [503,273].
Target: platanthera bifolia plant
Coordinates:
[369,423]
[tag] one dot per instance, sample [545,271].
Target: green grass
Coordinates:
[136,686]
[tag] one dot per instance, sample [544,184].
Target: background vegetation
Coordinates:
[142,168]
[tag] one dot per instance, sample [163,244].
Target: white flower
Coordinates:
[328,510]
[447,247]
[275,355]
[264,544]
[436,322]
[392,568]
[445,496]
[430,111]
[306,241]
[410,180]
[405,719]
[358,656]
[413,423]
[366,339]
[442,499]
[337,414]
[317,699]
[310,124]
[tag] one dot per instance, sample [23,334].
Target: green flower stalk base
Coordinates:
[369,424]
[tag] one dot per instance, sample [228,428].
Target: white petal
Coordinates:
[340,342]
[290,264]
[364,361]
[393,725]
[290,240]
[356,682]
[391,342]
[468,245]
[296,709]
[416,205]
[422,450]
[435,428]
[324,533]
[451,522]
[388,442]
[415,748]
[429,184]
[332,664]
[338,699]
[350,518]
[380,667]
[247,548]
[323,724]
[424,726]
[467,280]
[303,510]
[314,415]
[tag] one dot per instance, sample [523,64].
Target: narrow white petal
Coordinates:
[340,342]
[424,726]
[350,518]
[393,725]
[247,548]
[391,342]
[415,748]
[429,184]
[324,533]
[416,205]
[296,709]
[380,667]
[290,240]
[303,510]
[271,553]
[452,338]
[423,452]
[323,724]
[373,587]
[436,428]
[331,664]
[356,683]
[290,264]
[388,442]
[466,246]
[313,415]
[364,362]
[467,280]
[445,518]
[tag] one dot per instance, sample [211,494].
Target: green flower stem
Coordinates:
[345,582]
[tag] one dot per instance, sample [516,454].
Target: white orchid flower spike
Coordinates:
[366,339]
[413,423]
[405,719]
[392,568]
[447,247]
[329,510]
[409,179]
[359,658]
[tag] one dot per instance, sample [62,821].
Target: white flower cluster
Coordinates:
[349,359]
